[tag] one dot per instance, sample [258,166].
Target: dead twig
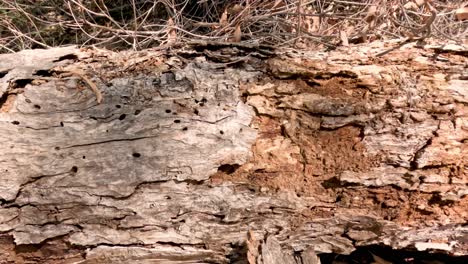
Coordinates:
[80,74]
[141,24]
[418,34]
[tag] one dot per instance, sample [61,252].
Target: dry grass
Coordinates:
[139,24]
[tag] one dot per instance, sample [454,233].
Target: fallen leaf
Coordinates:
[420,2]
[171,31]
[411,6]
[223,20]
[237,34]
[344,38]
[371,13]
[236,9]
[461,13]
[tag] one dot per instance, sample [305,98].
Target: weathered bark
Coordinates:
[189,151]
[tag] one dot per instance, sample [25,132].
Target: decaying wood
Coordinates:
[218,154]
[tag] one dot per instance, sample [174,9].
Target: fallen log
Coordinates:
[223,153]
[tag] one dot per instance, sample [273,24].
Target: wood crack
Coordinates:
[109,141]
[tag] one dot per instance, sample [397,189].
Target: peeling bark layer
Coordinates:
[309,153]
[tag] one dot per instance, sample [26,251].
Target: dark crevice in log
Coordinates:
[20,83]
[228,168]
[3,99]
[384,254]
[44,73]
[3,73]
[71,57]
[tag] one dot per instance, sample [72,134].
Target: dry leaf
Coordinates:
[371,13]
[237,34]
[236,9]
[420,2]
[344,38]
[277,4]
[171,31]
[170,22]
[316,24]
[461,13]
[349,30]
[411,6]
[223,20]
